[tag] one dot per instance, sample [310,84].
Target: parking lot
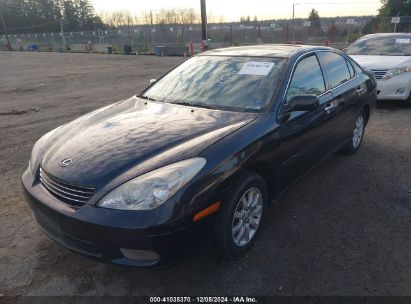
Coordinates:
[344,229]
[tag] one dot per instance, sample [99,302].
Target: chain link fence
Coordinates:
[144,38]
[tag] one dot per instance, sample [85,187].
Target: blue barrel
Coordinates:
[158,50]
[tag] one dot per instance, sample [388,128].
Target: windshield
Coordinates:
[388,45]
[221,82]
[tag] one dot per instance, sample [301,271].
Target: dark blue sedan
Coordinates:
[198,156]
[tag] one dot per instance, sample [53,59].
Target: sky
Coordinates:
[263,9]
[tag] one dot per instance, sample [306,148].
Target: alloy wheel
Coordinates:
[358,131]
[247,216]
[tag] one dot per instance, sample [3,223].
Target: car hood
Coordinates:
[133,137]
[375,62]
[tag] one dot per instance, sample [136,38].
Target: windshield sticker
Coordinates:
[256,68]
[402,41]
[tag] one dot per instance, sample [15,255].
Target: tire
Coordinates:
[407,103]
[354,144]
[242,212]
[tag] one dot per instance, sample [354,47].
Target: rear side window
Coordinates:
[307,79]
[336,68]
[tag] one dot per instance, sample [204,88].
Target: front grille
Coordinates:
[67,193]
[52,228]
[379,74]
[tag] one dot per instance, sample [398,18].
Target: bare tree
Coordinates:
[188,17]
[145,17]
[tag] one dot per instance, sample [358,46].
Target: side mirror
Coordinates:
[299,103]
[302,103]
[152,81]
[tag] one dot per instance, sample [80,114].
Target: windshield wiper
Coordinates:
[146,97]
[192,105]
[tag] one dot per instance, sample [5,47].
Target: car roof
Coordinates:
[369,36]
[264,50]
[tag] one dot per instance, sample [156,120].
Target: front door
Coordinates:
[305,135]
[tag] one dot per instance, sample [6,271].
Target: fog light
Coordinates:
[140,255]
[400,91]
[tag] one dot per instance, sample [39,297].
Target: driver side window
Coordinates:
[307,79]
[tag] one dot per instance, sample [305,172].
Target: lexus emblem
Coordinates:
[66,162]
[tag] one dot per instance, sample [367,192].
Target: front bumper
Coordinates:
[396,88]
[100,233]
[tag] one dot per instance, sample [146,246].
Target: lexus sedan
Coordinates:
[199,155]
[389,57]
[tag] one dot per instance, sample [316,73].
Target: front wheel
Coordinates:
[407,103]
[241,215]
[354,144]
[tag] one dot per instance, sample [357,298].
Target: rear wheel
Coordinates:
[241,215]
[354,144]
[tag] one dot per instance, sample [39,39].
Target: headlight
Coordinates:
[395,72]
[38,146]
[153,189]
[34,155]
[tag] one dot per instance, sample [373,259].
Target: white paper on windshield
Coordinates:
[402,41]
[256,68]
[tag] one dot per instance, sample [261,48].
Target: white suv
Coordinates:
[388,55]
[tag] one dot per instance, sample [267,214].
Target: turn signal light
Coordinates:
[207,211]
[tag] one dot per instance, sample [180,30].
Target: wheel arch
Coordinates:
[262,169]
[366,109]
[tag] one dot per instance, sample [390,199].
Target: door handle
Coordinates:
[329,108]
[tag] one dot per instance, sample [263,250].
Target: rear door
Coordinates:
[347,89]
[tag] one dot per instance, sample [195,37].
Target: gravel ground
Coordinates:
[342,230]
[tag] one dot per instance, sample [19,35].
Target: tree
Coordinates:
[392,8]
[70,13]
[370,27]
[28,16]
[86,15]
[188,17]
[245,19]
[315,23]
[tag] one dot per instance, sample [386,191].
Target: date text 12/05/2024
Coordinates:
[239,299]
